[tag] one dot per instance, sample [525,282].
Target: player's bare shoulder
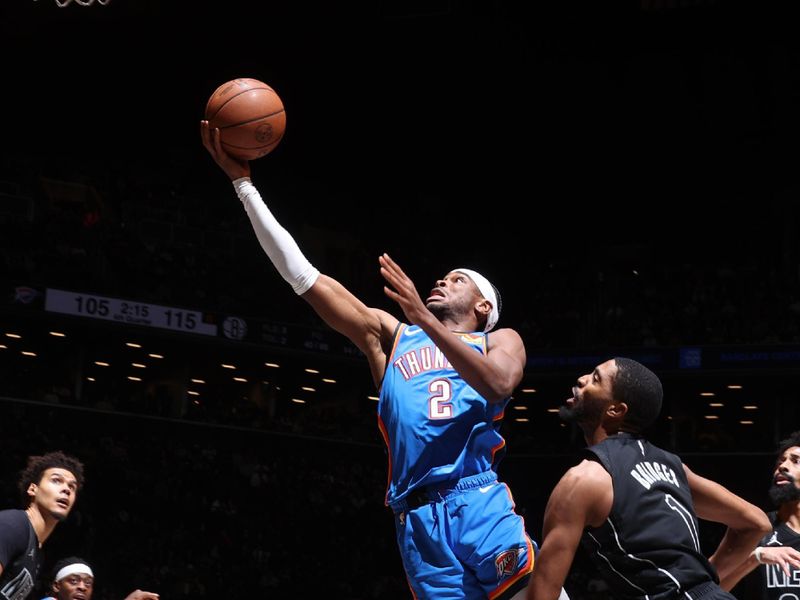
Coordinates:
[586,489]
[508,340]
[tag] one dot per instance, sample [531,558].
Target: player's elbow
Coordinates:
[499,390]
[753,523]
[762,524]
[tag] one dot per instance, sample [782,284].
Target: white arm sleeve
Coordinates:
[281,248]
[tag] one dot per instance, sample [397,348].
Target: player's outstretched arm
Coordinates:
[582,498]
[369,329]
[495,375]
[747,524]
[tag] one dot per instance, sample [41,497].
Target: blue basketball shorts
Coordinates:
[464,541]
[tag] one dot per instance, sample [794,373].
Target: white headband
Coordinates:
[487,291]
[73,569]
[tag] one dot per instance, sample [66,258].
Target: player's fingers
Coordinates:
[396,268]
[393,267]
[204,134]
[215,138]
[392,279]
[391,293]
[388,265]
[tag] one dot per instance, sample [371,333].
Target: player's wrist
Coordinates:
[757,555]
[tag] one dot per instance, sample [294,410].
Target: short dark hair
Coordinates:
[37,465]
[639,388]
[789,442]
[69,560]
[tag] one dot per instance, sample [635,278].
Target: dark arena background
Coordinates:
[624,172]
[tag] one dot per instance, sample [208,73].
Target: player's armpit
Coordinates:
[370,329]
[345,313]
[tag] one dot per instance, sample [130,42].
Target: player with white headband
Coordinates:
[444,382]
[73,579]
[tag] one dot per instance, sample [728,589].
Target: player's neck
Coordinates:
[594,436]
[460,325]
[42,525]
[789,513]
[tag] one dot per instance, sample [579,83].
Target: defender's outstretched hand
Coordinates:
[404,292]
[233,167]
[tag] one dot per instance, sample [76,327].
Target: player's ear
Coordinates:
[32,490]
[483,307]
[617,410]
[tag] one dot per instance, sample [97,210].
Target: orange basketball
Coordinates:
[249,115]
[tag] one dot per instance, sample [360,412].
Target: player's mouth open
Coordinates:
[435,294]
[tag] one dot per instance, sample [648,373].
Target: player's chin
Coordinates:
[60,514]
[435,304]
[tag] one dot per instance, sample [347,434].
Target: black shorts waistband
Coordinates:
[441,491]
[702,590]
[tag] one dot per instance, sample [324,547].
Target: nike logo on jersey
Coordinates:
[485,489]
[413,330]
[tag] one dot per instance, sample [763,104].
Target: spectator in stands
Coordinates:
[73,579]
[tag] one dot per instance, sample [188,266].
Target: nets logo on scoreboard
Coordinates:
[234,328]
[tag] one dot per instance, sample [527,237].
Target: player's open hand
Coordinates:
[233,167]
[783,556]
[402,290]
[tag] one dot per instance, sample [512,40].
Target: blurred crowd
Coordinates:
[151,233]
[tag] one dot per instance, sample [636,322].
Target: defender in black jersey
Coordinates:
[635,506]
[48,486]
[778,553]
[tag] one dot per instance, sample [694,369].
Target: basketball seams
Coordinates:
[251,147]
[252,120]
[221,106]
[244,119]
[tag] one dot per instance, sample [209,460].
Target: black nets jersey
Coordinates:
[776,584]
[649,546]
[19,555]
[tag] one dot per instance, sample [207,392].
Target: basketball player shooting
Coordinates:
[444,384]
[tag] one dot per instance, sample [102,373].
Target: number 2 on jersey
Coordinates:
[439,406]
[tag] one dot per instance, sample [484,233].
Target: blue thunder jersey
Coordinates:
[437,428]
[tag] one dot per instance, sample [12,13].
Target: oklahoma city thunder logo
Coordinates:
[472,339]
[506,563]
